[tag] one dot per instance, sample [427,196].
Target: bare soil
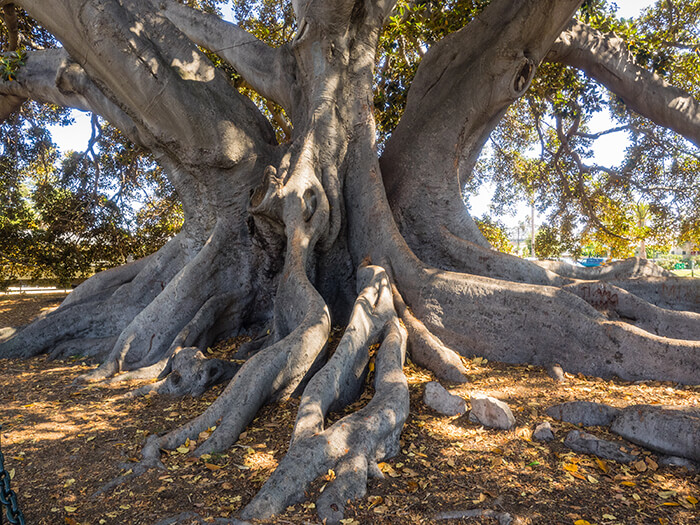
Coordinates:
[63,441]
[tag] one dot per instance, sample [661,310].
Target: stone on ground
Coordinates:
[543,432]
[556,372]
[671,430]
[490,412]
[589,444]
[440,400]
[586,413]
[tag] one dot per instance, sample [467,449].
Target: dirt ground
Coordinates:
[62,442]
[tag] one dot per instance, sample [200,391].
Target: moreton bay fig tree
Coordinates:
[282,240]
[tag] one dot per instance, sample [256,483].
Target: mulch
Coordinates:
[62,441]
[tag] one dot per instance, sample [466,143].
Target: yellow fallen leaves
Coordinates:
[388,469]
[570,467]
[582,522]
[602,465]
[482,497]
[70,509]
[330,475]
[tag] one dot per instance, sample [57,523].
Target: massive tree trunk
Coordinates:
[282,240]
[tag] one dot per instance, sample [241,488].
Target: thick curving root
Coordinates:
[352,446]
[611,299]
[632,268]
[478,316]
[426,349]
[98,310]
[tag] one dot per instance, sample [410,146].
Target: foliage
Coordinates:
[11,62]
[547,244]
[542,149]
[65,217]
[496,233]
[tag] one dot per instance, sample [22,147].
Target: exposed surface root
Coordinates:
[266,373]
[273,372]
[446,251]
[667,323]
[64,324]
[352,446]
[97,310]
[106,282]
[94,348]
[479,316]
[673,293]
[632,268]
[426,349]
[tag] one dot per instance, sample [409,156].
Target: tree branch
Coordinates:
[605,58]
[9,17]
[51,77]
[269,71]
[158,76]
[449,114]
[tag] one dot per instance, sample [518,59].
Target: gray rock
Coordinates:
[439,399]
[543,432]
[586,413]
[490,412]
[589,444]
[671,430]
[675,461]
[556,372]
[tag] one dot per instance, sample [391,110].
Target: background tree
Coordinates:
[284,235]
[495,233]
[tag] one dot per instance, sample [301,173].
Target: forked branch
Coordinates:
[267,70]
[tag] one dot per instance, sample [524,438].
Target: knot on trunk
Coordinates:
[525,71]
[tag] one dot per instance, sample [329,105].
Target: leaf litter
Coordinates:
[64,441]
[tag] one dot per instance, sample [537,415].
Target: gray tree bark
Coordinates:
[277,235]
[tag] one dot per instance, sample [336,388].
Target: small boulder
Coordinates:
[589,444]
[667,429]
[490,412]
[586,413]
[440,400]
[556,372]
[543,432]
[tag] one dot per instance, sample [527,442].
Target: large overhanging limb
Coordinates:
[267,70]
[50,76]
[159,78]
[606,58]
